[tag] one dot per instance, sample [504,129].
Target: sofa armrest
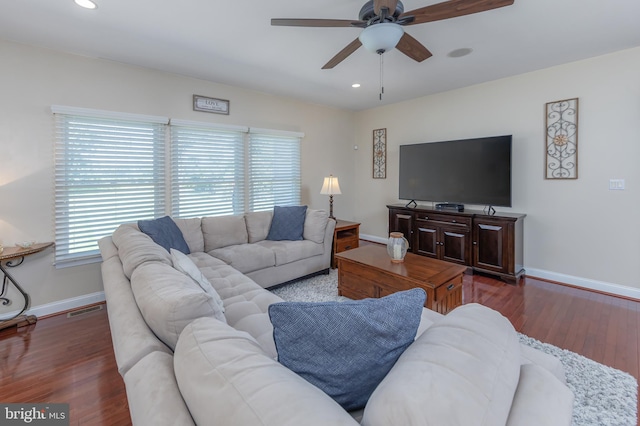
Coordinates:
[328,239]
[153,394]
[226,378]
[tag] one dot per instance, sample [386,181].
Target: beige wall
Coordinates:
[576,231]
[34,79]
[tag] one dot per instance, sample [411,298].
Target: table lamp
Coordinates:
[330,187]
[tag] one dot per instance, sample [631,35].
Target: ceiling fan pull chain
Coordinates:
[381,74]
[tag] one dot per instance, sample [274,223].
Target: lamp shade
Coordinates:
[379,38]
[330,186]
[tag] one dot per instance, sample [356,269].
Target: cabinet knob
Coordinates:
[475,243]
[454,221]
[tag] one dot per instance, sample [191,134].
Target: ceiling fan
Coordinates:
[382,22]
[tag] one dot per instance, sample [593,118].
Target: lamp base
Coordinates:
[331,207]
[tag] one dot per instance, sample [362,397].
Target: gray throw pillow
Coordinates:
[165,232]
[287,223]
[346,348]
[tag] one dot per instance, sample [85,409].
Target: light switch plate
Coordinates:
[616,184]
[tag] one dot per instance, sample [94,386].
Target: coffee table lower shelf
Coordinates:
[368,272]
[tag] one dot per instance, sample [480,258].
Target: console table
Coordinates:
[10,258]
[488,243]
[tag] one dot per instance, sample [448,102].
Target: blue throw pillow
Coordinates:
[346,348]
[287,223]
[165,232]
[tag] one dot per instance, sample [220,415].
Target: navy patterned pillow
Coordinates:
[165,232]
[346,348]
[287,223]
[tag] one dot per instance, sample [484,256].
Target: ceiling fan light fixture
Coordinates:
[87,4]
[379,38]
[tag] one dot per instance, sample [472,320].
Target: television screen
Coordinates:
[472,171]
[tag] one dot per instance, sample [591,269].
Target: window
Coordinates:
[274,169]
[109,169]
[207,169]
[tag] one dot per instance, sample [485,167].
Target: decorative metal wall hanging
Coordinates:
[380,154]
[561,146]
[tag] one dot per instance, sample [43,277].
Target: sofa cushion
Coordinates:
[164,232]
[540,399]
[291,251]
[346,348]
[246,257]
[169,300]
[136,248]
[223,231]
[192,232]
[185,265]
[315,225]
[132,338]
[463,370]
[225,378]
[287,223]
[258,224]
[246,303]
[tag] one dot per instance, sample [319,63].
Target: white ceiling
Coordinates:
[232,42]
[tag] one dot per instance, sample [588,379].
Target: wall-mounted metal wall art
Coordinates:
[380,154]
[561,146]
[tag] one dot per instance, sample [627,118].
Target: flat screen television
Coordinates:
[469,171]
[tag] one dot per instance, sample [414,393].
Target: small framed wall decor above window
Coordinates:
[380,154]
[205,104]
[561,144]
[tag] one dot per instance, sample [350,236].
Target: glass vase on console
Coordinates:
[397,246]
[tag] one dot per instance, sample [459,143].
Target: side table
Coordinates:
[346,236]
[10,258]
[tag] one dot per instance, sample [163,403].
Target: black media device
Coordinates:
[457,172]
[450,206]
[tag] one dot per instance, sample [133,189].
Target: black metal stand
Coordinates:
[7,278]
[12,257]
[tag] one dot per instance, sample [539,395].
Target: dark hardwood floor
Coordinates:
[71,360]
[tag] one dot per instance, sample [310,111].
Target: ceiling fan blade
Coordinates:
[413,48]
[342,55]
[389,4]
[318,23]
[453,9]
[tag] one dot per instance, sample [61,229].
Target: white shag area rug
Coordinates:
[603,395]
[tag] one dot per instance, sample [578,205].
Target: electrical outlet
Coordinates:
[616,184]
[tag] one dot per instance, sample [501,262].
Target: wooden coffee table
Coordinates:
[367,271]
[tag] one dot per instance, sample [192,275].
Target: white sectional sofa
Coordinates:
[181,366]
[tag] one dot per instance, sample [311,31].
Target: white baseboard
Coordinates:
[373,238]
[62,305]
[587,283]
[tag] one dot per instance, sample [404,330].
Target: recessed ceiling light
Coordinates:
[460,52]
[87,4]
[355,85]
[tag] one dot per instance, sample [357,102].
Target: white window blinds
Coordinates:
[109,170]
[207,169]
[274,169]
